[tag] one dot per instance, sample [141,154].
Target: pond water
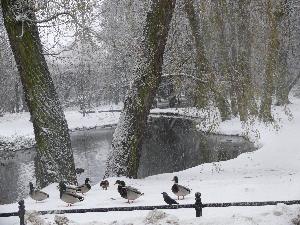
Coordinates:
[170,145]
[174,144]
[90,149]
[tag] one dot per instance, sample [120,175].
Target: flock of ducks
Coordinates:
[72,194]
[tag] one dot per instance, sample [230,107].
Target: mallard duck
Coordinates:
[79,170]
[104,184]
[70,189]
[68,197]
[85,187]
[168,199]
[127,192]
[37,195]
[179,190]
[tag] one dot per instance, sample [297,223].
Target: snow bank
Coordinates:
[279,215]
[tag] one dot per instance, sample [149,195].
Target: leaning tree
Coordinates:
[127,140]
[54,154]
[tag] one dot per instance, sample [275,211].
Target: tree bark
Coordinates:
[293,83]
[221,13]
[281,14]
[123,160]
[202,64]
[232,58]
[54,154]
[17,97]
[272,67]
[243,77]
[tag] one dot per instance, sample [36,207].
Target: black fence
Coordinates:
[198,206]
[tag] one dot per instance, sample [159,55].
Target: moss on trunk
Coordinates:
[203,66]
[272,59]
[54,154]
[128,137]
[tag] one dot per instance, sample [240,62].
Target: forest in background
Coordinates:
[92,48]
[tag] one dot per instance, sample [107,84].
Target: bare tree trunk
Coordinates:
[202,64]
[244,81]
[232,66]
[128,137]
[221,12]
[281,14]
[293,83]
[276,66]
[16,108]
[55,158]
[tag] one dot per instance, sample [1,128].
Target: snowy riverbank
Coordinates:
[16,130]
[270,173]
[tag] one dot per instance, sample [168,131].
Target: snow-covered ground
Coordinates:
[18,124]
[270,173]
[17,130]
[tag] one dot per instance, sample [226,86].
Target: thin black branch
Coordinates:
[54,17]
[292,84]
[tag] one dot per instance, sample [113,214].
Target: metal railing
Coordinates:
[198,206]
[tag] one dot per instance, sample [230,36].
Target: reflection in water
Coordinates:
[16,171]
[175,144]
[90,149]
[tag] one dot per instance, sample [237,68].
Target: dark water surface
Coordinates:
[90,149]
[170,145]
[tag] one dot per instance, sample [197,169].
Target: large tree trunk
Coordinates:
[221,13]
[202,64]
[272,65]
[232,57]
[55,158]
[281,14]
[128,137]
[243,77]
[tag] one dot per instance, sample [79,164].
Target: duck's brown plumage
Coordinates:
[128,192]
[84,187]
[68,197]
[179,190]
[37,195]
[104,184]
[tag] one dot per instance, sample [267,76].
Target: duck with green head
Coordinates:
[68,197]
[128,192]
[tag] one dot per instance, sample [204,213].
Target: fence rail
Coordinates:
[198,206]
[228,204]
[116,209]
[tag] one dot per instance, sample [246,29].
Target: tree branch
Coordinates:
[54,17]
[292,84]
[65,14]
[186,76]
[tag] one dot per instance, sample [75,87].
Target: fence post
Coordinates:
[198,204]
[21,212]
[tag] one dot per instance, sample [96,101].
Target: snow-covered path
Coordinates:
[270,173]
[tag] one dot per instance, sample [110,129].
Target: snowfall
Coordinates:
[269,174]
